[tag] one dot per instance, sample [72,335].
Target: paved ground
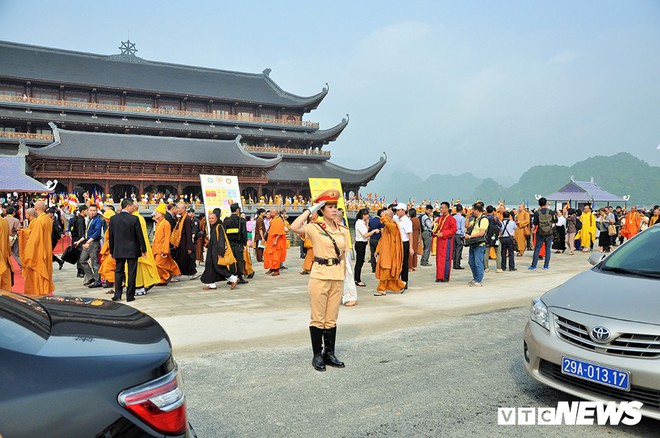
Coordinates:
[446,379]
[276,309]
[435,361]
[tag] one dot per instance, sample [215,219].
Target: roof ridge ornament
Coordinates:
[266,72]
[128,48]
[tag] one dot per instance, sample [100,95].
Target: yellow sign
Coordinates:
[319,185]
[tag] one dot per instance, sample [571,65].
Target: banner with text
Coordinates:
[220,191]
[319,185]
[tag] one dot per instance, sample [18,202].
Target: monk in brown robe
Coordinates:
[38,254]
[275,252]
[389,253]
[167,267]
[108,265]
[523,230]
[415,240]
[5,254]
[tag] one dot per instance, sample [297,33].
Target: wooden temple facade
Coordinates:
[122,124]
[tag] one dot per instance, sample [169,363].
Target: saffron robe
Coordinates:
[147,273]
[522,231]
[631,227]
[588,231]
[444,230]
[5,254]
[309,255]
[275,254]
[37,257]
[165,265]
[247,262]
[389,260]
[108,265]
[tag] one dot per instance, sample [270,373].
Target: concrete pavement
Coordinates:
[276,309]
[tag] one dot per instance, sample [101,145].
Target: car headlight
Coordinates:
[539,313]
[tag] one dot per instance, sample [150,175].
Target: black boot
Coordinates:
[317,345]
[329,337]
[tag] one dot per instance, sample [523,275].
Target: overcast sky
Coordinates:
[442,87]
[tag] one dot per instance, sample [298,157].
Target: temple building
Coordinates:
[120,124]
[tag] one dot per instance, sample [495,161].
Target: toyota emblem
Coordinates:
[600,334]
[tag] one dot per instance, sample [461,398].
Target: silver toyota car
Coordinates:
[597,336]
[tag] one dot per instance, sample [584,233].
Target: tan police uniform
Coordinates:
[326,282]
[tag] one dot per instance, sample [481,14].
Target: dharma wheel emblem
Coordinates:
[128,48]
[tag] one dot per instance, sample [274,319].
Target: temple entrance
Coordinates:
[90,188]
[286,193]
[121,191]
[249,193]
[193,194]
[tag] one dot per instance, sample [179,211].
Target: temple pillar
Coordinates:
[107,186]
[179,188]
[141,189]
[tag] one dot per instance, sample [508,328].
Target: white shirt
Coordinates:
[561,222]
[405,226]
[509,229]
[361,230]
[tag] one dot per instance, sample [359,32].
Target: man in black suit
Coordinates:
[126,244]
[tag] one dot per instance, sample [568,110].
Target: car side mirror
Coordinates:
[596,258]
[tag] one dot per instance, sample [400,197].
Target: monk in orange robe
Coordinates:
[523,229]
[38,254]
[167,267]
[108,265]
[275,252]
[389,256]
[632,224]
[5,254]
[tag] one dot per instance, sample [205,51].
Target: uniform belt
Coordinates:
[326,262]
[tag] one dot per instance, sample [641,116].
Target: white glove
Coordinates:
[316,207]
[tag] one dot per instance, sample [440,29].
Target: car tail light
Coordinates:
[160,403]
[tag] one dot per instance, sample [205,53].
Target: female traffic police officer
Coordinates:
[330,241]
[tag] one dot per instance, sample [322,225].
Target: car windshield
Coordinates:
[639,256]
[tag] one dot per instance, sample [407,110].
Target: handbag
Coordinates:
[12,240]
[175,237]
[228,257]
[611,230]
[475,241]
[71,254]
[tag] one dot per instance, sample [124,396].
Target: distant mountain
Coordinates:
[621,174]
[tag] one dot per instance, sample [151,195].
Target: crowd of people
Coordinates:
[397,236]
[112,248]
[180,240]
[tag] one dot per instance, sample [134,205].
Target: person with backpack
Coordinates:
[493,239]
[573,225]
[475,240]
[427,230]
[508,243]
[543,219]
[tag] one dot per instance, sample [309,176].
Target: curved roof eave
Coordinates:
[252,160]
[309,102]
[330,134]
[369,172]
